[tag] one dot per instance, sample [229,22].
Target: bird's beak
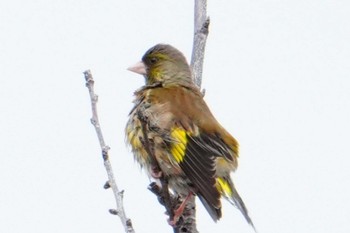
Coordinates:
[138,68]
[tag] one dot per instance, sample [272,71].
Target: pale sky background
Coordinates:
[276,76]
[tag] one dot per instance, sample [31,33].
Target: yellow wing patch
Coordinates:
[224,187]
[178,147]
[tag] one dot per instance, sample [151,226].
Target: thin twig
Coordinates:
[201,31]
[118,195]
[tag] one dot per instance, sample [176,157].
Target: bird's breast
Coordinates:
[147,132]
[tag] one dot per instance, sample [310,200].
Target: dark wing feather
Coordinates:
[199,166]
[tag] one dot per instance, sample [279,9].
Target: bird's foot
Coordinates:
[179,211]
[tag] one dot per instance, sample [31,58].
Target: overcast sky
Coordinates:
[276,76]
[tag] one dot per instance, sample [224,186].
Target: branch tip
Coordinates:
[128,222]
[88,78]
[87,72]
[113,211]
[154,188]
[93,121]
[106,185]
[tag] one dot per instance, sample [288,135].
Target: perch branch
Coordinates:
[187,222]
[111,183]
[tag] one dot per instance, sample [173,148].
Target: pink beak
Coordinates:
[138,68]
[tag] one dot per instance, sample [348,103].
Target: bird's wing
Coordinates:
[197,156]
[198,164]
[197,140]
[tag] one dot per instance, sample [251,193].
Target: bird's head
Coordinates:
[163,64]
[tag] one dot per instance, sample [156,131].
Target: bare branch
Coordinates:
[118,195]
[201,31]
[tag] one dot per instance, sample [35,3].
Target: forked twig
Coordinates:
[111,183]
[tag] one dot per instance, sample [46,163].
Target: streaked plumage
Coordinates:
[173,133]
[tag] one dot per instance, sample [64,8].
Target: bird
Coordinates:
[173,134]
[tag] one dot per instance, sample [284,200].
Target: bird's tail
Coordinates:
[214,212]
[228,190]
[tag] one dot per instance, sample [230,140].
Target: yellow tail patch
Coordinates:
[224,187]
[178,147]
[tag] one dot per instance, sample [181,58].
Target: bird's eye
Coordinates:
[153,60]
